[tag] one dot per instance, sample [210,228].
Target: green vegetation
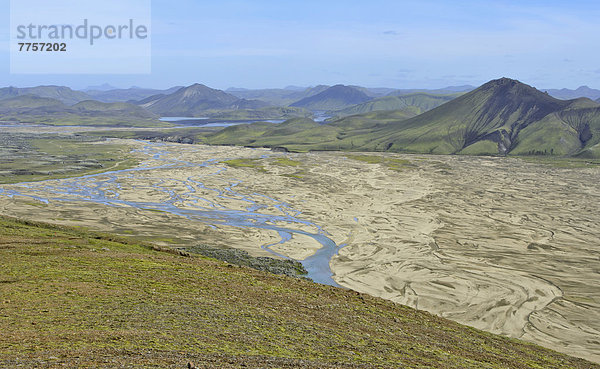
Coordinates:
[28,158]
[245,163]
[80,299]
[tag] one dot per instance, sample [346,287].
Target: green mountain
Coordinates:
[133,94]
[417,102]
[334,98]
[305,134]
[64,94]
[503,116]
[78,299]
[196,101]
[41,110]
[28,103]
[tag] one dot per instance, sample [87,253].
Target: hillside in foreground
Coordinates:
[71,298]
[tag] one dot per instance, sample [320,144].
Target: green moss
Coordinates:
[245,163]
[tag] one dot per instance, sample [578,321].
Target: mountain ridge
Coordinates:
[196,100]
[334,98]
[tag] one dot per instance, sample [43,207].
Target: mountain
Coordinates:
[42,110]
[418,102]
[128,95]
[334,98]
[198,100]
[583,91]
[278,96]
[501,117]
[64,94]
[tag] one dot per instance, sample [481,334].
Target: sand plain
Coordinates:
[501,244]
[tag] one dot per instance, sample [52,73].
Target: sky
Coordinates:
[377,43]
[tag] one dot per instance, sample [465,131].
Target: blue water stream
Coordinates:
[104,189]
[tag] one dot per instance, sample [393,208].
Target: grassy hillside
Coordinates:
[78,299]
[305,134]
[417,103]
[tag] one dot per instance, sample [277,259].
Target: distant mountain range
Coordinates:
[36,109]
[128,95]
[501,117]
[583,91]
[64,94]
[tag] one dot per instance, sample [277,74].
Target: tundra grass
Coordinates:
[72,298]
[245,163]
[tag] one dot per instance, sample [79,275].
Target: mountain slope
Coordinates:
[28,103]
[417,102]
[334,98]
[197,100]
[64,94]
[74,298]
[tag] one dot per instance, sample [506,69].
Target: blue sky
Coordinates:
[401,44]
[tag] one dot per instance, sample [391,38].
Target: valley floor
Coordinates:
[503,245]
